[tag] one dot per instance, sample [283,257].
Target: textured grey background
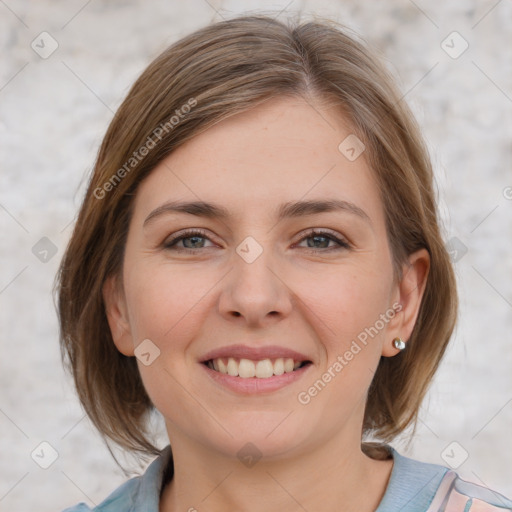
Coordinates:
[54,112]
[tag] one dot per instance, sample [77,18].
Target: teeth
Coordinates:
[264,369]
[232,367]
[222,367]
[245,368]
[279,366]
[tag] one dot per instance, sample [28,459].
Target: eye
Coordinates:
[194,240]
[322,238]
[195,236]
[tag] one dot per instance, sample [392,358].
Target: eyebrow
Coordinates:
[286,210]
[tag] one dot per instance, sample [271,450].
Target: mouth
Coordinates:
[255,369]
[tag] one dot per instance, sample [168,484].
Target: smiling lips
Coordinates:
[261,363]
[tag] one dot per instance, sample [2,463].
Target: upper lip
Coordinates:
[254,353]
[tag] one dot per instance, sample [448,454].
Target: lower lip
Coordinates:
[254,385]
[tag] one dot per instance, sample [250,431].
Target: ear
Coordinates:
[409,293]
[117,315]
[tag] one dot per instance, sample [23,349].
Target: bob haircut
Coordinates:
[218,71]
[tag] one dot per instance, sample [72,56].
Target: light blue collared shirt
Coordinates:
[411,488]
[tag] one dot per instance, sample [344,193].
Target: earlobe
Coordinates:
[410,292]
[117,316]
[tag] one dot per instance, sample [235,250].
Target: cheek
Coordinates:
[163,301]
[165,304]
[348,300]
[344,308]
[354,309]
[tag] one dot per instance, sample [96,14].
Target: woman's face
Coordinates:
[256,288]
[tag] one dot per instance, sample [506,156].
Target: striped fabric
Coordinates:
[457,495]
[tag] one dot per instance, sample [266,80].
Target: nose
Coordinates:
[255,291]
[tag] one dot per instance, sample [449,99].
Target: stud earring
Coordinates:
[399,343]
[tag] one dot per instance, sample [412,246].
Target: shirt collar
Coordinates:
[148,493]
[412,484]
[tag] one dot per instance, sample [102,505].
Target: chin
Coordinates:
[260,434]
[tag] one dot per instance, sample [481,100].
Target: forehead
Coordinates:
[284,150]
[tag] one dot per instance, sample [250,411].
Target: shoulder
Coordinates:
[140,493]
[121,499]
[412,484]
[423,487]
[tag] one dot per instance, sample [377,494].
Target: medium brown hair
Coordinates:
[221,70]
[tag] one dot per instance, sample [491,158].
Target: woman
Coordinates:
[258,258]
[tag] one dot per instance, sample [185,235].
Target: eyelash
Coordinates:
[169,244]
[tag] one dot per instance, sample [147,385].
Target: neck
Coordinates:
[335,477]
